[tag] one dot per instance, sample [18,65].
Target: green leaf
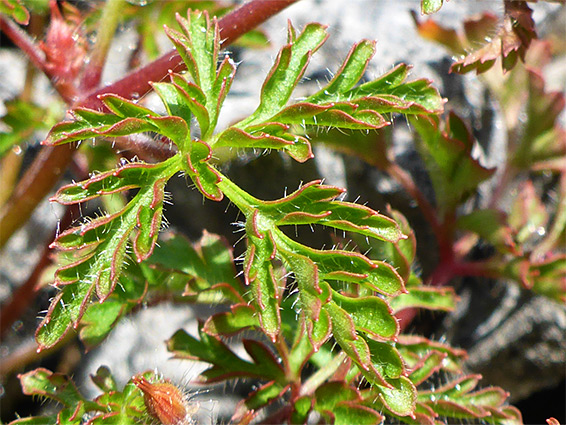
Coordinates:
[259,274]
[371,315]
[104,380]
[341,405]
[275,137]
[386,359]
[400,398]
[100,319]
[546,277]
[22,119]
[198,44]
[15,10]
[447,155]
[399,254]
[226,364]
[301,409]
[491,225]
[353,343]
[456,400]
[389,93]
[314,203]
[443,299]
[56,386]
[128,118]
[264,395]
[240,317]
[204,175]
[207,267]
[430,364]
[100,245]
[287,71]
[344,266]
[414,349]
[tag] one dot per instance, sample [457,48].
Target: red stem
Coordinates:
[231,26]
[51,162]
[24,42]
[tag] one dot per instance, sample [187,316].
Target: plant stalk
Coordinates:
[322,374]
[51,162]
[105,33]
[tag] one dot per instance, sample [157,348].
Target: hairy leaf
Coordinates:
[198,44]
[100,245]
[207,267]
[425,297]
[456,400]
[128,118]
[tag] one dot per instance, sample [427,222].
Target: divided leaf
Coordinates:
[100,318]
[98,248]
[22,119]
[339,104]
[112,406]
[312,204]
[198,43]
[378,362]
[512,38]
[343,405]
[431,298]
[127,118]
[456,400]
[206,267]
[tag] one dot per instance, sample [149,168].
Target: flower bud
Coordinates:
[164,401]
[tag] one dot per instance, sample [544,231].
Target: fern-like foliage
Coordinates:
[342,297]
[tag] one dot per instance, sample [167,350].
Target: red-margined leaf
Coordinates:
[206,265]
[100,245]
[198,44]
[15,10]
[128,118]
[286,73]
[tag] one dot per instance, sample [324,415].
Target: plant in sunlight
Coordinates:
[320,327]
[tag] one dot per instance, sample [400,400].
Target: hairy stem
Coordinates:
[51,162]
[231,26]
